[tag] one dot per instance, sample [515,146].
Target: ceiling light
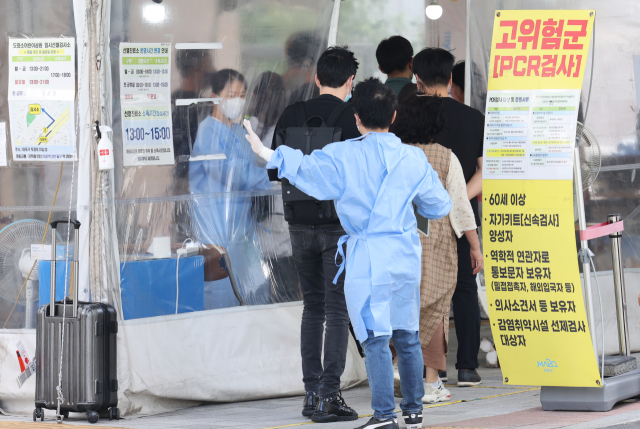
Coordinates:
[155,13]
[434,10]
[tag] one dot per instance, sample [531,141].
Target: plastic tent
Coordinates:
[216,346]
[212,348]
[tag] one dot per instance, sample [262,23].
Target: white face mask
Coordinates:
[232,107]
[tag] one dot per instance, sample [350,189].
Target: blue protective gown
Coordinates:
[373,180]
[219,218]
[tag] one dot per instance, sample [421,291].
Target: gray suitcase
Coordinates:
[89,366]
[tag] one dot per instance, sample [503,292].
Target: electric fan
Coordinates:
[590,155]
[15,262]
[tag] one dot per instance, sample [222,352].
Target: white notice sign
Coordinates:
[145,99]
[530,135]
[42,87]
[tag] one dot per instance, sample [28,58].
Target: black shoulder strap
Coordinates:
[301,116]
[336,113]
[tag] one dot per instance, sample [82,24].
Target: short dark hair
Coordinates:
[419,120]
[335,66]
[303,48]
[457,75]
[394,54]
[221,78]
[433,66]
[375,103]
[189,60]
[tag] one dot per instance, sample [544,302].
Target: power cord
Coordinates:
[183,251]
[589,254]
[177,281]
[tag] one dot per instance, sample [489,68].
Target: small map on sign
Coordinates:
[42,130]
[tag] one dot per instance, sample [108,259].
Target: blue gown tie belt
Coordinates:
[340,252]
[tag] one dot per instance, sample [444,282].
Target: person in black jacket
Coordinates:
[464,135]
[314,244]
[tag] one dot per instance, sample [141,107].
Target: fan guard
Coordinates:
[590,155]
[13,239]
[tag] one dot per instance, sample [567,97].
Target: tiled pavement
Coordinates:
[490,405]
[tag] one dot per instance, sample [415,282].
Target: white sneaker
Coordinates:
[433,395]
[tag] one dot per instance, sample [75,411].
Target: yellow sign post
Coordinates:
[536,304]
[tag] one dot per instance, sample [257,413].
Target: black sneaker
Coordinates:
[443,376]
[380,424]
[412,420]
[468,377]
[333,409]
[310,403]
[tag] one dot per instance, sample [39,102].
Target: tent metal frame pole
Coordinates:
[333,27]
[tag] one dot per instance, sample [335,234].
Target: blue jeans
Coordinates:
[380,372]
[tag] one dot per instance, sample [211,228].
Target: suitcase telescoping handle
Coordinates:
[74,264]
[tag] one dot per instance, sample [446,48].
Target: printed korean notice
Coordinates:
[530,135]
[145,99]
[42,87]
[536,306]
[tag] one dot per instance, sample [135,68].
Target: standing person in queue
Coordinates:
[457,82]
[463,134]
[395,59]
[314,240]
[419,122]
[375,180]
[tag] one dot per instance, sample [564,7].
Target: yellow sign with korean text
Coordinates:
[540,49]
[536,305]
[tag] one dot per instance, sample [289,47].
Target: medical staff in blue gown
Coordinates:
[225,218]
[374,180]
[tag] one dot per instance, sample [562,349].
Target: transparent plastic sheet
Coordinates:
[26,197]
[28,188]
[223,202]
[256,241]
[185,335]
[614,119]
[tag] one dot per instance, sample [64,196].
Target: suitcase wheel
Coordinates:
[114,413]
[38,414]
[93,416]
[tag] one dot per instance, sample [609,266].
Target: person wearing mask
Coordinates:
[225,219]
[374,180]
[395,59]
[463,133]
[419,123]
[315,241]
[457,82]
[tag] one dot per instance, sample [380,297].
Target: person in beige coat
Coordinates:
[418,121]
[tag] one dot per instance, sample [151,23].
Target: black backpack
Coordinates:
[298,206]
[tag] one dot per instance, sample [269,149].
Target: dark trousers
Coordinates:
[466,310]
[314,251]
